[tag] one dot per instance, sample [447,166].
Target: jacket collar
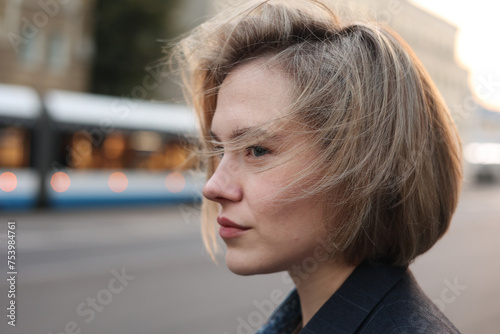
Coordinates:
[348,307]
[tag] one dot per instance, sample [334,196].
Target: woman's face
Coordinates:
[262,234]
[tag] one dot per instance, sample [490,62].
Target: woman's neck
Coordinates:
[315,288]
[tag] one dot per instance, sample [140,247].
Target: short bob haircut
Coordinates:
[390,155]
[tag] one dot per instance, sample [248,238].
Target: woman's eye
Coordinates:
[258,151]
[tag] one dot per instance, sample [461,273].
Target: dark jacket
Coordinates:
[374,299]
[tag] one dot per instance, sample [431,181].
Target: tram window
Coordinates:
[126,150]
[113,151]
[14,147]
[146,141]
[81,151]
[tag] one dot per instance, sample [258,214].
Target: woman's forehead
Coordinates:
[252,95]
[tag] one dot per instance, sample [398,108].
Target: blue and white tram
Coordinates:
[20,111]
[109,150]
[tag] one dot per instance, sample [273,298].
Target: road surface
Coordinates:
[144,270]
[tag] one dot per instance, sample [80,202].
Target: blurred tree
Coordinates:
[129,37]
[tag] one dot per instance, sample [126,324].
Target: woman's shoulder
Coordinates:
[379,298]
[406,309]
[374,299]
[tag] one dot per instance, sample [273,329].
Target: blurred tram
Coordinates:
[91,150]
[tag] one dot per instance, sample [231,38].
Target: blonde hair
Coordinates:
[390,156]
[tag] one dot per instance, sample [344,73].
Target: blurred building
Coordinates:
[46,44]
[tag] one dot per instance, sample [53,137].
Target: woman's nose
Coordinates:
[224,184]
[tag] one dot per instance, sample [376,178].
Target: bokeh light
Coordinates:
[118,182]
[175,182]
[60,182]
[8,181]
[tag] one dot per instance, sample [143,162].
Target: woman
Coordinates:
[331,155]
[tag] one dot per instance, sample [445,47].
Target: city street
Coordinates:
[144,270]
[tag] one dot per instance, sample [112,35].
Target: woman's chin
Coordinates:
[246,266]
[241,266]
[242,271]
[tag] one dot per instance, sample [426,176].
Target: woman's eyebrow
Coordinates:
[250,131]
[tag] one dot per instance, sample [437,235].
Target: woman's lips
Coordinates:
[229,229]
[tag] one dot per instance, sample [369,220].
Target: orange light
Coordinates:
[8,181]
[175,182]
[118,182]
[60,182]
